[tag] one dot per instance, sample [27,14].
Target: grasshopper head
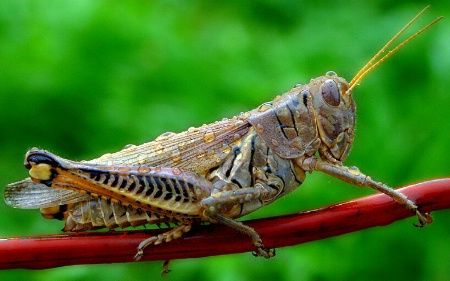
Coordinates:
[334,105]
[335,116]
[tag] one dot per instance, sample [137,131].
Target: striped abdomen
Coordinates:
[98,213]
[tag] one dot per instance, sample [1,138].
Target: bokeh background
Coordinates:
[83,78]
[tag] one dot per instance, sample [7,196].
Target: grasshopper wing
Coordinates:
[27,194]
[196,150]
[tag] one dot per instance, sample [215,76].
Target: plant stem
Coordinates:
[41,252]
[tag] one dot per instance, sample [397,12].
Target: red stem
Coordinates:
[110,247]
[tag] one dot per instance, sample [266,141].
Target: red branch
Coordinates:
[120,246]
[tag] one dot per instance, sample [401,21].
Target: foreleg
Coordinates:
[354,176]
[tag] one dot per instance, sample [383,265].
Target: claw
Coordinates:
[166,269]
[139,255]
[263,251]
[141,247]
[424,219]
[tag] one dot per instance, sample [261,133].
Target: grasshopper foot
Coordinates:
[168,236]
[166,269]
[424,218]
[143,245]
[256,239]
[263,251]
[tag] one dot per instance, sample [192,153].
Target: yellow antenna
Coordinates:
[371,65]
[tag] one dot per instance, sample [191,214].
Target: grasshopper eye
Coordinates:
[330,93]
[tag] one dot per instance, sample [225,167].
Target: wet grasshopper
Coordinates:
[215,173]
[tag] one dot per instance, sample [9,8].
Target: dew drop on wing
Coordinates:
[209,136]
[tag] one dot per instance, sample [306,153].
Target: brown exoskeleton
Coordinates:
[215,173]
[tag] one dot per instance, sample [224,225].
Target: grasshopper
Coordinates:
[215,173]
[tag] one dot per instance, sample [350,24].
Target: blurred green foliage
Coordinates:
[83,78]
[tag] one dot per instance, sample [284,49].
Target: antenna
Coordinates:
[369,66]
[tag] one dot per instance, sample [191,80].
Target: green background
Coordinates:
[83,78]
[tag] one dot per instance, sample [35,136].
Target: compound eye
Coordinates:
[330,93]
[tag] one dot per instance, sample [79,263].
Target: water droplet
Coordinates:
[238,123]
[223,152]
[275,142]
[143,169]
[165,136]
[158,169]
[176,171]
[128,146]
[236,137]
[200,155]
[331,73]
[124,169]
[354,170]
[260,128]
[176,156]
[159,149]
[192,130]
[226,148]
[245,115]
[264,107]
[277,98]
[209,136]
